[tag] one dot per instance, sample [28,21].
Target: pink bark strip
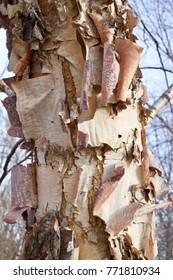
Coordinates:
[85,84]
[81,141]
[23,191]
[14,214]
[102,27]
[108,186]
[16,127]
[96,64]
[110,72]
[23,186]
[122,219]
[27,145]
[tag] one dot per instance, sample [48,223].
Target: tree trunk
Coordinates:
[90,191]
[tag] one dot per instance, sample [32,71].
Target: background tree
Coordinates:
[81,105]
[11,240]
[155,33]
[11,234]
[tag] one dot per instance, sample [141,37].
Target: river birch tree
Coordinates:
[78,102]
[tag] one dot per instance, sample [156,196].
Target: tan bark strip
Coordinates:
[129,53]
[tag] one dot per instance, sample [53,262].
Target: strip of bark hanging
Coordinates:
[20,56]
[148,208]
[108,185]
[131,19]
[23,191]
[85,87]
[103,27]
[129,54]
[122,219]
[16,127]
[110,72]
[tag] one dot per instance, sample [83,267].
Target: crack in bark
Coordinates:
[70,98]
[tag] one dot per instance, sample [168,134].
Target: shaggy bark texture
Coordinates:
[78,99]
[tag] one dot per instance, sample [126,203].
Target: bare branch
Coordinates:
[161,102]
[156,68]
[24,159]
[158,46]
[166,125]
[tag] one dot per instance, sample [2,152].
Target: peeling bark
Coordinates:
[80,101]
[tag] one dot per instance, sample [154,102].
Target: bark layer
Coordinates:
[80,98]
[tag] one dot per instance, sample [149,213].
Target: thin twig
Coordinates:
[5,168]
[166,125]
[156,68]
[24,159]
[161,61]
[150,34]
